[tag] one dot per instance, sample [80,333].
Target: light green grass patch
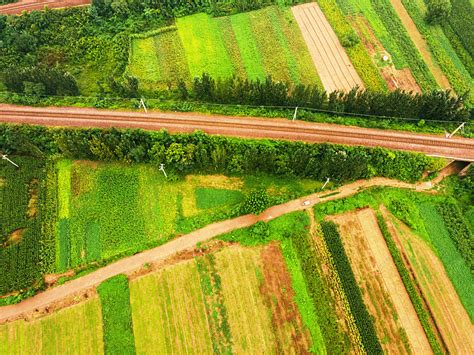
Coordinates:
[230,40]
[64,188]
[204,46]
[207,198]
[251,58]
[144,62]
[454,264]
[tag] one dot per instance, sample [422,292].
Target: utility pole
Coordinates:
[456,130]
[162,168]
[296,113]
[4,157]
[142,103]
[327,182]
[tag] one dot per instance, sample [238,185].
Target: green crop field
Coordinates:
[252,45]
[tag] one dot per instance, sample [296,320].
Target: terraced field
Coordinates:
[250,45]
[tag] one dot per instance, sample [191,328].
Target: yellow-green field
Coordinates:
[183,309]
[168,312]
[253,45]
[74,330]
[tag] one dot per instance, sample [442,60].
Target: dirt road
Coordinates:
[252,127]
[332,63]
[189,241]
[17,8]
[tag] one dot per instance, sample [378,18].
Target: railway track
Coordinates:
[455,148]
[30,5]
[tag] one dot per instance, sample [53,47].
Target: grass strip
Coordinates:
[410,286]
[214,302]
[362,317]
[114,295]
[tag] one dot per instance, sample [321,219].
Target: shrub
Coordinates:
[256,202]
[438,11]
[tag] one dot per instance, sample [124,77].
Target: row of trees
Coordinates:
[435,105]
[169,9]
[199,152]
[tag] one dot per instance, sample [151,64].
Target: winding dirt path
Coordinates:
[133,263]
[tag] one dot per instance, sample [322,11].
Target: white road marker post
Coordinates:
[162,168]
[4,157]
[457,129]
[295,114]
[327,182]
[142,103]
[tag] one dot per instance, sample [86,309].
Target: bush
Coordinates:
[256,202]
[438,11]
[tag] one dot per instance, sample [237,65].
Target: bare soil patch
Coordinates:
[420,43]
[395,79]
[15,237]
[278,294]
[450,317]
[332,63]
[384,294]
[32,210]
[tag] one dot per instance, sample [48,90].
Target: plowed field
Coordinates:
[331,61]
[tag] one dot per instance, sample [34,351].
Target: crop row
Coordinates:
[400,35]
[114,295]
[456,268]
[319,292]
[334,283]
[356,51]
[362,317]
[458,231]
[216,310]
[458,77]
[461,23]
[410,286]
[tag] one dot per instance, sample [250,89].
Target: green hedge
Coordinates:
[114,296]
[362,317]
[410,286]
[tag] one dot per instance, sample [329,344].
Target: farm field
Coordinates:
[333,65]
[250,45]
[280,286]
[77,329]
[396,321]
[92,212]
[450,315]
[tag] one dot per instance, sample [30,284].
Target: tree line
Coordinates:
[434,105]
[199,152]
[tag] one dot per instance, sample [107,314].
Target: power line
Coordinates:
[281,107]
